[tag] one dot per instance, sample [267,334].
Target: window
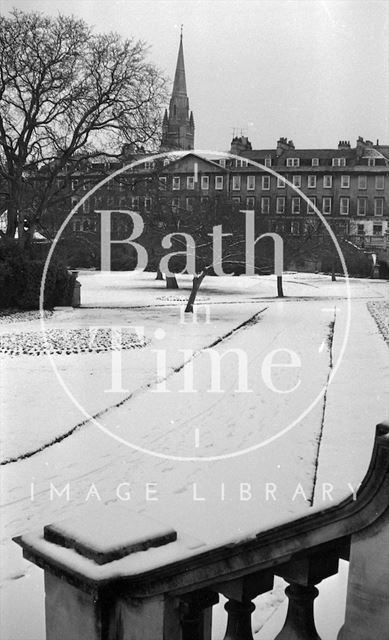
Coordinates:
[327,182]
[218,183]
[149,165]
[360,229]
[338,162]
[265,183]
[205,182]
[148,202]
[378,206]
[162,182]
[377,229]
[297,181]
[268,161]
[315,162]
[312,182]
[222,162]
[76,225]
[265,205]
[190,183]
[176,183]
[362,182]
[280,183]
[292,162]
[189,203]
[166,161]
[280,205]
[345,182]
[74,184]
[250,203]
[361,206]
[241,163]
[175,204]
[379,182]
[250,183]
[296,205]
[235,183]
[295,228]
[327,206]
[344,206]
[371,162]
[236,200]
[310,209]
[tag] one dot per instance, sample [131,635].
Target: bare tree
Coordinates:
[67,93]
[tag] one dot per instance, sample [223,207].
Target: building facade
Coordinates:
[349,185]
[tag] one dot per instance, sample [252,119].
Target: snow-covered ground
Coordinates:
[208,454]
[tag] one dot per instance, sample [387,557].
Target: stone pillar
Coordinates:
[72,614]
[367,605]
[85,597]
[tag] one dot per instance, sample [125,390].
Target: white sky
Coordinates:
[316,71]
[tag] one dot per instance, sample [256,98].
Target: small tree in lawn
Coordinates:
[66,93]
[216,227]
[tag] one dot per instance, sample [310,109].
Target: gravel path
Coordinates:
[380,313]
[67,341]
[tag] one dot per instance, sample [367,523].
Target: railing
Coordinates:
[100,585]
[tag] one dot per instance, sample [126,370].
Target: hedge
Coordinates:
[20,282]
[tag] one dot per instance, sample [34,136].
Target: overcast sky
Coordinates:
[315,71]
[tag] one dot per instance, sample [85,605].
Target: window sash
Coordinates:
[361,206]
[265,205]
[218,183]
[344,206]
[236,183]
[296,205]
[250,183]
[311,182]
[327,206]
[309,207]
[327,182]
[280,205]
[205,182]
[378,206]
[380,182]
[362,182]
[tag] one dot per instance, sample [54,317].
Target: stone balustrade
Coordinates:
[115,576]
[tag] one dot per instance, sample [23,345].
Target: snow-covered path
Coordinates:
[218,499]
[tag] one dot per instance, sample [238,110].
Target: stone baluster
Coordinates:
[196,617]
[239,620]
[239,607]
[303,573]
[299,623]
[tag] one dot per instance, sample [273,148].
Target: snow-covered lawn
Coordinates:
[182,442]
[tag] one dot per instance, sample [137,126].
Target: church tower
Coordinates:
[178,124]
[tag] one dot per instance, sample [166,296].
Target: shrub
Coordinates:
[20,281]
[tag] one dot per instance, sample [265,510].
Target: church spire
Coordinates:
[179,86]
[178,126]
